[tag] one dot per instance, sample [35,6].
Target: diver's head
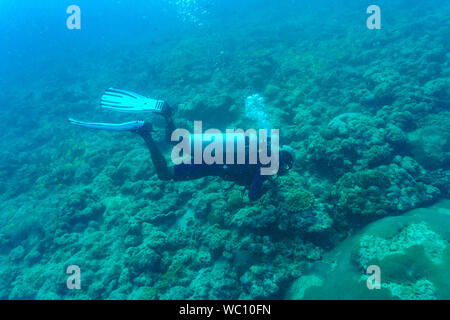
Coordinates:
[287,158]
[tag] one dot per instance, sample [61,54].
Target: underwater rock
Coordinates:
[216,282]
[216,239]
[235,200]
[412,252]
[373,193]
[246,253]
[359,196]
[259,283]
[32,257]
[176,293]
[339,123]
[439,179]
[17,253]
[255,218]
[354,144]
[135,166]
[299,200]
[141,259]
[316,220]
[153,237]
[382,84]
[429,145]
[419,290]
[438,89]
[92,198]
[271,91]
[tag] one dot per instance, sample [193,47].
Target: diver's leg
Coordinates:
[162,170]
[170,128]
[167,113]
[126,126]
[144,129]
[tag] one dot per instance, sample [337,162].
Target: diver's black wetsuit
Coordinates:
[248,175]
[243,174]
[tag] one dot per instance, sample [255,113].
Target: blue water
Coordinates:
[365,111]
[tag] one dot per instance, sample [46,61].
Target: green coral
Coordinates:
[365,179]
[164,282]
[299,200]
[361,194]
[235,200]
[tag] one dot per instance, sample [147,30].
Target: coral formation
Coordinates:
[299,200]
[411,251]
[367,115]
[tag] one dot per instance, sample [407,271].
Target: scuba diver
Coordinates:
[248,175]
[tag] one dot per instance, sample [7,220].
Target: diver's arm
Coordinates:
[255,191]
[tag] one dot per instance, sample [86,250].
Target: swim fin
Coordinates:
[126,126]
[127,101]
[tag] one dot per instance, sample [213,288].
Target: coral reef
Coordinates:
[366,113]
[411,251]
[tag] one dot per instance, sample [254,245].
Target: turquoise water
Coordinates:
[367,113]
